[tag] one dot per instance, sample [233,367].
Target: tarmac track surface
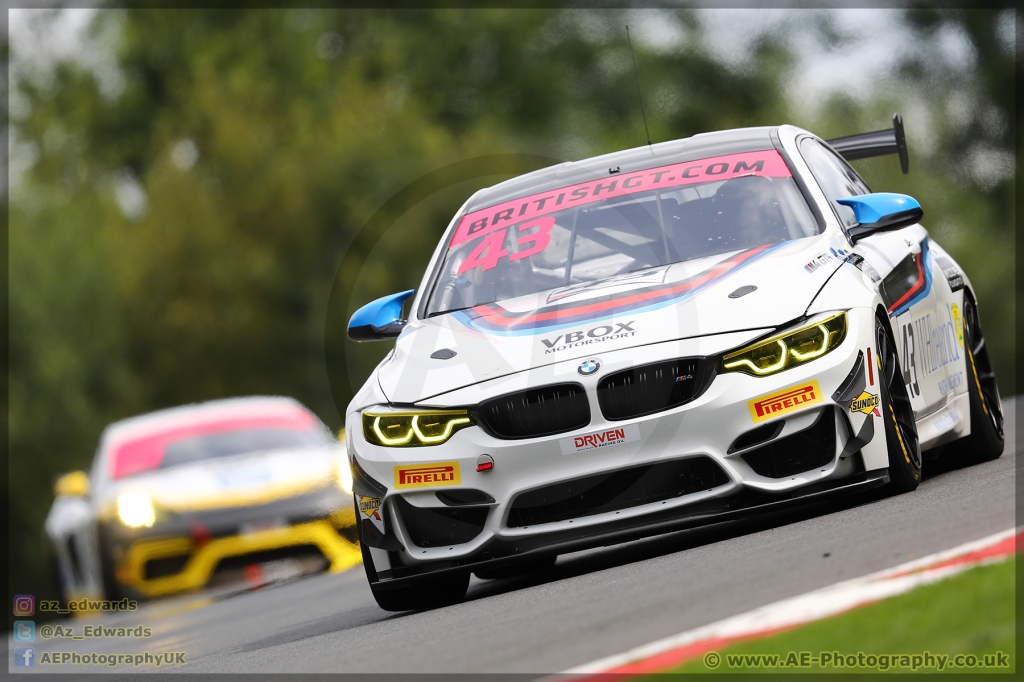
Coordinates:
[589,605]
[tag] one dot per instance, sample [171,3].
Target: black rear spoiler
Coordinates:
[878,143]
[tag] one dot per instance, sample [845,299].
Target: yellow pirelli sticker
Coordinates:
[427,475]
[785,401]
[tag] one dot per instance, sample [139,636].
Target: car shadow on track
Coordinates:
[330,624]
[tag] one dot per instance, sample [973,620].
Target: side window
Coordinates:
[834,176]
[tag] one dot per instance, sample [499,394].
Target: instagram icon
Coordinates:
[24,605]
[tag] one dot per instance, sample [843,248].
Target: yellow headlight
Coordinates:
[790,349]
[396,429]
[135,510]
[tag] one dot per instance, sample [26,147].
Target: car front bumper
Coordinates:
[630,474]
[183,552]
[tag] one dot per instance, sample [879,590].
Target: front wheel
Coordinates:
[427,593]
[897,415]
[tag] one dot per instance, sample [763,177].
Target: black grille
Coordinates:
[461,497]
[809,449]
[159,568]
[615,490]
[441,526]
[537,412]
[652,388]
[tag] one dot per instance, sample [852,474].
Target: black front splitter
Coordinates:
[501,552]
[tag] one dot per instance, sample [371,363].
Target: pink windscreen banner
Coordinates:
[145,453]
[764,163]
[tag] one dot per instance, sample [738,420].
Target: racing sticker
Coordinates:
[431,475]
[526,210]
[601,439]
[572,339]
[958,323]
[954,277]
[928,346]
[785,401]
[370,506]
[825,258]
[867,403]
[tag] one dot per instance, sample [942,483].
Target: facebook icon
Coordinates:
[23,657]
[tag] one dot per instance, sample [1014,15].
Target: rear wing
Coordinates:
[878,143]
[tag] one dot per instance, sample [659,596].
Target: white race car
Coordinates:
[653,339]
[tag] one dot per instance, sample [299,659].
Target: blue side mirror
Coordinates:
[880,212]
[380,319]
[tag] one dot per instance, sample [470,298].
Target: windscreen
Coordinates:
[185,444]
[620,224]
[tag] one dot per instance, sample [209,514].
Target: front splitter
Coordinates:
[500,552]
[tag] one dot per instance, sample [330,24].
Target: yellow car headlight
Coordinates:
[412,429]
[135,510]
[790,349]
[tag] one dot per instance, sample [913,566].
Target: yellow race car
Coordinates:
[251,489]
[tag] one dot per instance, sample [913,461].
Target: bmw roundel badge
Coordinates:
[589,367]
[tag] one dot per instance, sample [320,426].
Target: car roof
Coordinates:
[159,420]
[701,146]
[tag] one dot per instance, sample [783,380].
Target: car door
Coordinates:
[906,270]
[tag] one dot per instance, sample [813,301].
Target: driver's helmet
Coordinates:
[745,213]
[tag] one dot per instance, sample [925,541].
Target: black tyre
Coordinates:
[521,568]
[427,593]
[111,589]
[986,440]
[55,580]
[897,414]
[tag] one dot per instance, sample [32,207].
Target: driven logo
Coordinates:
[784,402]
[591,441]
[427,475]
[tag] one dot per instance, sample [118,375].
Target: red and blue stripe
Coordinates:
[493,319]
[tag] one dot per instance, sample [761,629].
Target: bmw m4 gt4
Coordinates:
[653,339]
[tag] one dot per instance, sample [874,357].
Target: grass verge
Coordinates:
[970,615]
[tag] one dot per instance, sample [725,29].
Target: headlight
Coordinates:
[410,429]
[345,475]
[135,510]
[789,349]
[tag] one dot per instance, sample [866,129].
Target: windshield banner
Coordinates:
[764,163]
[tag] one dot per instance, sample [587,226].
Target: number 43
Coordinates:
[489,251]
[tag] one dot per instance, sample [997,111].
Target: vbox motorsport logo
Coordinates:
[573,339]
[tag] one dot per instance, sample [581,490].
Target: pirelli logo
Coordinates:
[784,402]
[427,475]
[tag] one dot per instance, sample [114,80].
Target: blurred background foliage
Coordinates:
[178,217]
